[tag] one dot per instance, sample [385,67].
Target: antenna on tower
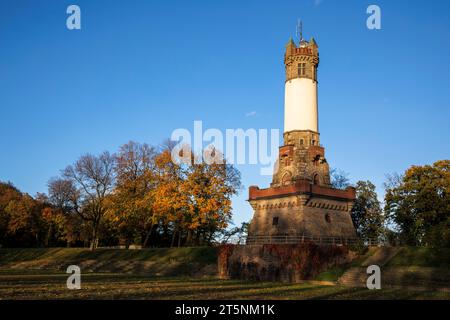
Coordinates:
[299,30]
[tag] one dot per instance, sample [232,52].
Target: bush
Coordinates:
[360,248]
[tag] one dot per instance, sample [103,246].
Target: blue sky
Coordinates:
[140,69]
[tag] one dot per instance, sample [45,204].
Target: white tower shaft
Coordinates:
[300,99]
[300,105]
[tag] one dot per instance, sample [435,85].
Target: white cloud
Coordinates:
[317,2]
[251,114]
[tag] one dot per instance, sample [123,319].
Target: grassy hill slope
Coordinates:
[418,267]
[193,261]
[407,266]
[421,257]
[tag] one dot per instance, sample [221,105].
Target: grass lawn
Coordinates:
[44,284]
[190,273]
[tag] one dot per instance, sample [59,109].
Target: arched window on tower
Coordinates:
[316,160]
[286,178]
[301,69]
[316,179]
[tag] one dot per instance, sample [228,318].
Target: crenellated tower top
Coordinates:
[301,61]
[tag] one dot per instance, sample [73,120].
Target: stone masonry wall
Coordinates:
[288,263]
[301,215]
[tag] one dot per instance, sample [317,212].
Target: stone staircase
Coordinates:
[354,277]
[357,276]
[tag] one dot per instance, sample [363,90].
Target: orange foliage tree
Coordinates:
[137,196]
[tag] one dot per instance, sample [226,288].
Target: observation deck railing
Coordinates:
[294,239]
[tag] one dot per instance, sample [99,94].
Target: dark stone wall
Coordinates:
[281,262]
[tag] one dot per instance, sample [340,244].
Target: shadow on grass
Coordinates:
[366,294]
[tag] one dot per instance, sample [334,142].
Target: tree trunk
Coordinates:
[147,236]
[196,238]
[189,238]
[210,238]
[47,238]
[175,230]
[179,238]
[37,240]
[94,240]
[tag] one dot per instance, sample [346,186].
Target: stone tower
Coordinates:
[300,202]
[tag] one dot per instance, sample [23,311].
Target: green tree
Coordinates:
[367,215]
[419,204]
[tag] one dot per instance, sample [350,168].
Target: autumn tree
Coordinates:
[170,196]
[63,194]
[139,196]
[210,187]
[64,198]
[131,201]
[23,220]
[8,193]
[92,179]
[419,204]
